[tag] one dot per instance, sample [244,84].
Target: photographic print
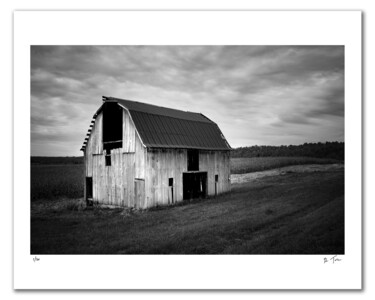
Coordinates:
[195,150]
[187,150]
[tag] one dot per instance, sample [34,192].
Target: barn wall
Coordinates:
[128,132]
[118,183]
[215,163]
[162,164]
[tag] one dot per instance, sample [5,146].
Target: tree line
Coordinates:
[334,150]
[56,160]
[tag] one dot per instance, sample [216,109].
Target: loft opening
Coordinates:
[112,126]
[193,160]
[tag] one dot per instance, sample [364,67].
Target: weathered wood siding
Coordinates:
[128,133]
[216,163]
[115,184]
[162,164]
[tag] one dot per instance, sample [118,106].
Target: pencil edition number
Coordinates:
[36,259]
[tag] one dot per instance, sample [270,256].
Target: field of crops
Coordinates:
[50,182]
[256,164]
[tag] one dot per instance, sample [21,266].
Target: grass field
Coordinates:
[285,214]
[256,164]
[50,182]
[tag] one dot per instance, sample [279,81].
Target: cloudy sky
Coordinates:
[258,95]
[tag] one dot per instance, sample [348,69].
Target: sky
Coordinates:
[258,95]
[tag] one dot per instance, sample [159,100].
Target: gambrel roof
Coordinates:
[161,127]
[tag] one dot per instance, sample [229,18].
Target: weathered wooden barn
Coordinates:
[140,155]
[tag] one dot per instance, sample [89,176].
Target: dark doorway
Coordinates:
[216,183]
[89,188]
[194,185]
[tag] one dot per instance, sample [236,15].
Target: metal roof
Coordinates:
[161,127]
[161,111]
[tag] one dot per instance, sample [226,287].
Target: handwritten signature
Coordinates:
[332,260]
[35,259]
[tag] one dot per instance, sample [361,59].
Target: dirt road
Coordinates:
[241,178]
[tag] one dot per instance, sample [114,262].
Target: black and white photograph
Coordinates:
[187,149]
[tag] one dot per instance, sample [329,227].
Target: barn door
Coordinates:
[139,193]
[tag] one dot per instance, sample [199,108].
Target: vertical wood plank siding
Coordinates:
[115,184]
[139,177]
[128,133]
[162,164]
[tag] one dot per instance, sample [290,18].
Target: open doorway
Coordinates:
[89,189]
[194,185]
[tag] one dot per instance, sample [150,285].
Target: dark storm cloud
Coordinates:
[257,94]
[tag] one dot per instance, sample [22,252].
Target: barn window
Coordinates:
[193,160]
[108,158]
[170,181]
[216,178]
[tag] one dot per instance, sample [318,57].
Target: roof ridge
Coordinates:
[158,110]
[164,107]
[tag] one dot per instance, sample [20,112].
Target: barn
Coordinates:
[141,155]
